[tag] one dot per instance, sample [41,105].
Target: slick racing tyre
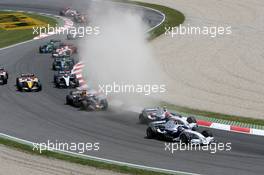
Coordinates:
[150,133]
[85,106]
[69,100]
[141,118]
[104,103]
[207,133]
[5,81]
[39,88]
[191,120]
[185,138]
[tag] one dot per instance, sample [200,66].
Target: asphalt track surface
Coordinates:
[43,116]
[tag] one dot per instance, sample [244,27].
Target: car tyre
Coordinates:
[191,120]
[84,105]
[104,103]
[68,100]
[185,138]
[5,81]
[141,118]
[207,133]
[150,133]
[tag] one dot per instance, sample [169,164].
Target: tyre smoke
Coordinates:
[120,54]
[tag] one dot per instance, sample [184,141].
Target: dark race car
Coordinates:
[87,100]
[173,131]
[63,64]
[80,18]
[64,79]
[28,82]
[49,47]
[3,76]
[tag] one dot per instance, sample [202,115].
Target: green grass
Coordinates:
[214,114]
[15,36]
[78,160]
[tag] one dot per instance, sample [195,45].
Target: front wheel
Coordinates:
[84,105]
[150,133]
[68,100]
[207,133]
[104,103]
[39,88]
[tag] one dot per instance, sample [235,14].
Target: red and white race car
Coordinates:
[69,12]
[65,50]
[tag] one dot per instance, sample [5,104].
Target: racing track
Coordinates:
[41,116]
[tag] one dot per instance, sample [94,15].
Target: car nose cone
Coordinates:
[30,84]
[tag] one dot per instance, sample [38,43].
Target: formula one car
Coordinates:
[3,76]
[49,47]
[173,131]
[64,50]
[63,64]
[69,12]
[64,79]
[28,82]
[158,114]
[72,36]
[87,100]
[81,19]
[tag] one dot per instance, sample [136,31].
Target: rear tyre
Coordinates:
[141,118]
[191,120]
[185,138]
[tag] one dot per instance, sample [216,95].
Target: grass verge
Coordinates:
[215,115]
[9,37]
[73,159]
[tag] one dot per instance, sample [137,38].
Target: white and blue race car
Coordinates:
[173,131]
[65,79]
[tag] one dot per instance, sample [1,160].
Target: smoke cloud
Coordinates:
[120,53]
